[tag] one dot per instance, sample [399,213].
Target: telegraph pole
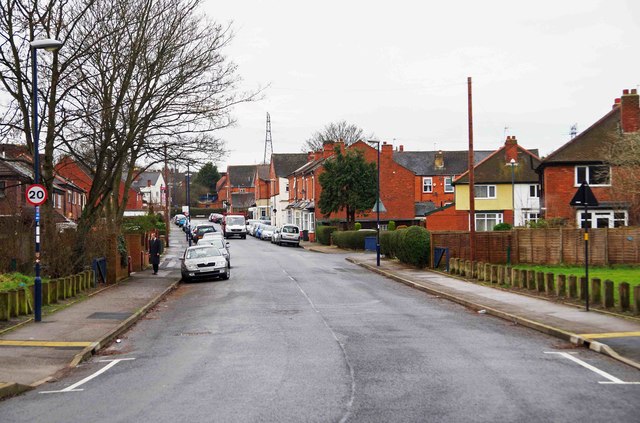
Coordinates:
[472,203]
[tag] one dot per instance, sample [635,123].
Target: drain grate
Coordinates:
[105,315]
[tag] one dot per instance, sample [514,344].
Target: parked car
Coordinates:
[289,234]
[267,232]
[275,236]
[200,230]
[250,223]
[210,235]
[204,262]
[182,221]
[215,218]
[234,225]
[257,232]
[178,217]
[220,244]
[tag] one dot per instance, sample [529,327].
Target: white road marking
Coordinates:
[73,387]
[612,379]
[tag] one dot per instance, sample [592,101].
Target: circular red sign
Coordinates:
[36,194]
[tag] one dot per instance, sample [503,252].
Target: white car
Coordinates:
[204,262]
[212,235]
[288,234]
[267,232]
[220,244]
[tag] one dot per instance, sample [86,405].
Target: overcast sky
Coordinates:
[399,69]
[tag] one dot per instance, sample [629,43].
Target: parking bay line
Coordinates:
[73,387]
[612,379]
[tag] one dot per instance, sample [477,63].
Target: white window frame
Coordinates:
[530,216]
[448,184]
[588,175]
[536,188]
[594,215]
[427,184]
[493,217]
[489,193]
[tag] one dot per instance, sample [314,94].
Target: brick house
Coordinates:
[281,166]
[79,175]
[239,180]
[584,158]
[262,193]
[434,173]
[150,186]
[305,189]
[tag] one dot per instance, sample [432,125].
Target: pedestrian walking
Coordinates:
[155,249]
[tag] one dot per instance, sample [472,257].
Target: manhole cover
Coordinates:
[109,315]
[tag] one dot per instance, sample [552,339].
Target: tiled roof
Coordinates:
[241,176]
[423,162]
[496,169]
[141,180]
[242,200]
[284,164]
[263,172]
[587,147]
[422,208]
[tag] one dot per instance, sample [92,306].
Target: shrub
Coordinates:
[391,226]
[323,234]
[556,222]
[358,226]
[502,227]
[402,227]
[353,240]
[390,241]
[414,246]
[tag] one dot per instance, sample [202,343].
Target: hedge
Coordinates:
[353,240]
[411,245]
[323,234]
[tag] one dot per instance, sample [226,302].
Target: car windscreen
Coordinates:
[290,229]
[235,220]
[205,229]
[196,253]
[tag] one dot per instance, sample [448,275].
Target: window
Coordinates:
[485,191]
[427,184]
[312,222]
[531,217]
[534,191]
[286,187]
[603,219]
[486,221]
[3,187]
[69,197]
[593,175]
[447,184]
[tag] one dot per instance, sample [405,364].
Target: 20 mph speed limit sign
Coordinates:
[36,194]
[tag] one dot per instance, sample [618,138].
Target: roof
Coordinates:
[285,164]
[496,169]
[242,200]
[263,171]
[422,208]
[241,176]
[141,180]
[587,147]
[423,162]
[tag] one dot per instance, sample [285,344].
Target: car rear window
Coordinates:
[202,252]
[290,229]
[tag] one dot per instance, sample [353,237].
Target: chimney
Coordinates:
[616,103]
[438,162]
[630,111]
[148,182]
[386,150]
[327,149]
[311,156]
[510,149]
[401,148]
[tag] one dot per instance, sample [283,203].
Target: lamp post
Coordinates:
[49,45]
[377,207]
[188,176]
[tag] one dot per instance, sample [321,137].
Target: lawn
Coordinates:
[616,273]
[10,281]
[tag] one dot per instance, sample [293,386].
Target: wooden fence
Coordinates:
[545,246]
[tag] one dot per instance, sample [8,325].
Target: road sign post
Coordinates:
[584,197]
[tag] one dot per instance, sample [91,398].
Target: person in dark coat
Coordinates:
[155,249]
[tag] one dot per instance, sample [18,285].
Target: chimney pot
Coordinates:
[634,91]
[625,92]
[401,147]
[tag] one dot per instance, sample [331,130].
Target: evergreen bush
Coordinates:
[502,227]
[414,246]
[323,234]
[391,226]
[358,226]
[353,240]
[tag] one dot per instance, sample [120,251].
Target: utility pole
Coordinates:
[472,203]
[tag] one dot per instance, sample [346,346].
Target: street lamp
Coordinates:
[49,45]
[377,207]
[188,176]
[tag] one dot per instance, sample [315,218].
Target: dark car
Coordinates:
[201,230]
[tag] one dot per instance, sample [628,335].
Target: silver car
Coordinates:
[220,244]
[289,234]
[204,262]
[267,232]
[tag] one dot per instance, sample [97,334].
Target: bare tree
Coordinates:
[334,131]
[622,153]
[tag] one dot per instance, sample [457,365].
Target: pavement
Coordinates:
[34,353]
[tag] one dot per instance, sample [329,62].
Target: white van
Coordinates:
[234,225]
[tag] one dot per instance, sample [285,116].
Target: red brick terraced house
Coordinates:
[262,194]
[585,158]
[239,189]
[396,189]
[281,166]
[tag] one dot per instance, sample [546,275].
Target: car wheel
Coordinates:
[227,274]
[185,278]
[244,237]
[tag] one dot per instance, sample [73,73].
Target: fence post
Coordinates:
[573,286]
[583,288]
[608,301]
[540,281]
[494,273]
[22,301]
[596,291]
[5,310]
[531,279]
[550,284]
[562,286]
[487,272]
[500,275]
[636,299]
[623,293]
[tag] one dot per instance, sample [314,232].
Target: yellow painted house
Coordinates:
[507,188]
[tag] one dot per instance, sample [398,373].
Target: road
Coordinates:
[297,336]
